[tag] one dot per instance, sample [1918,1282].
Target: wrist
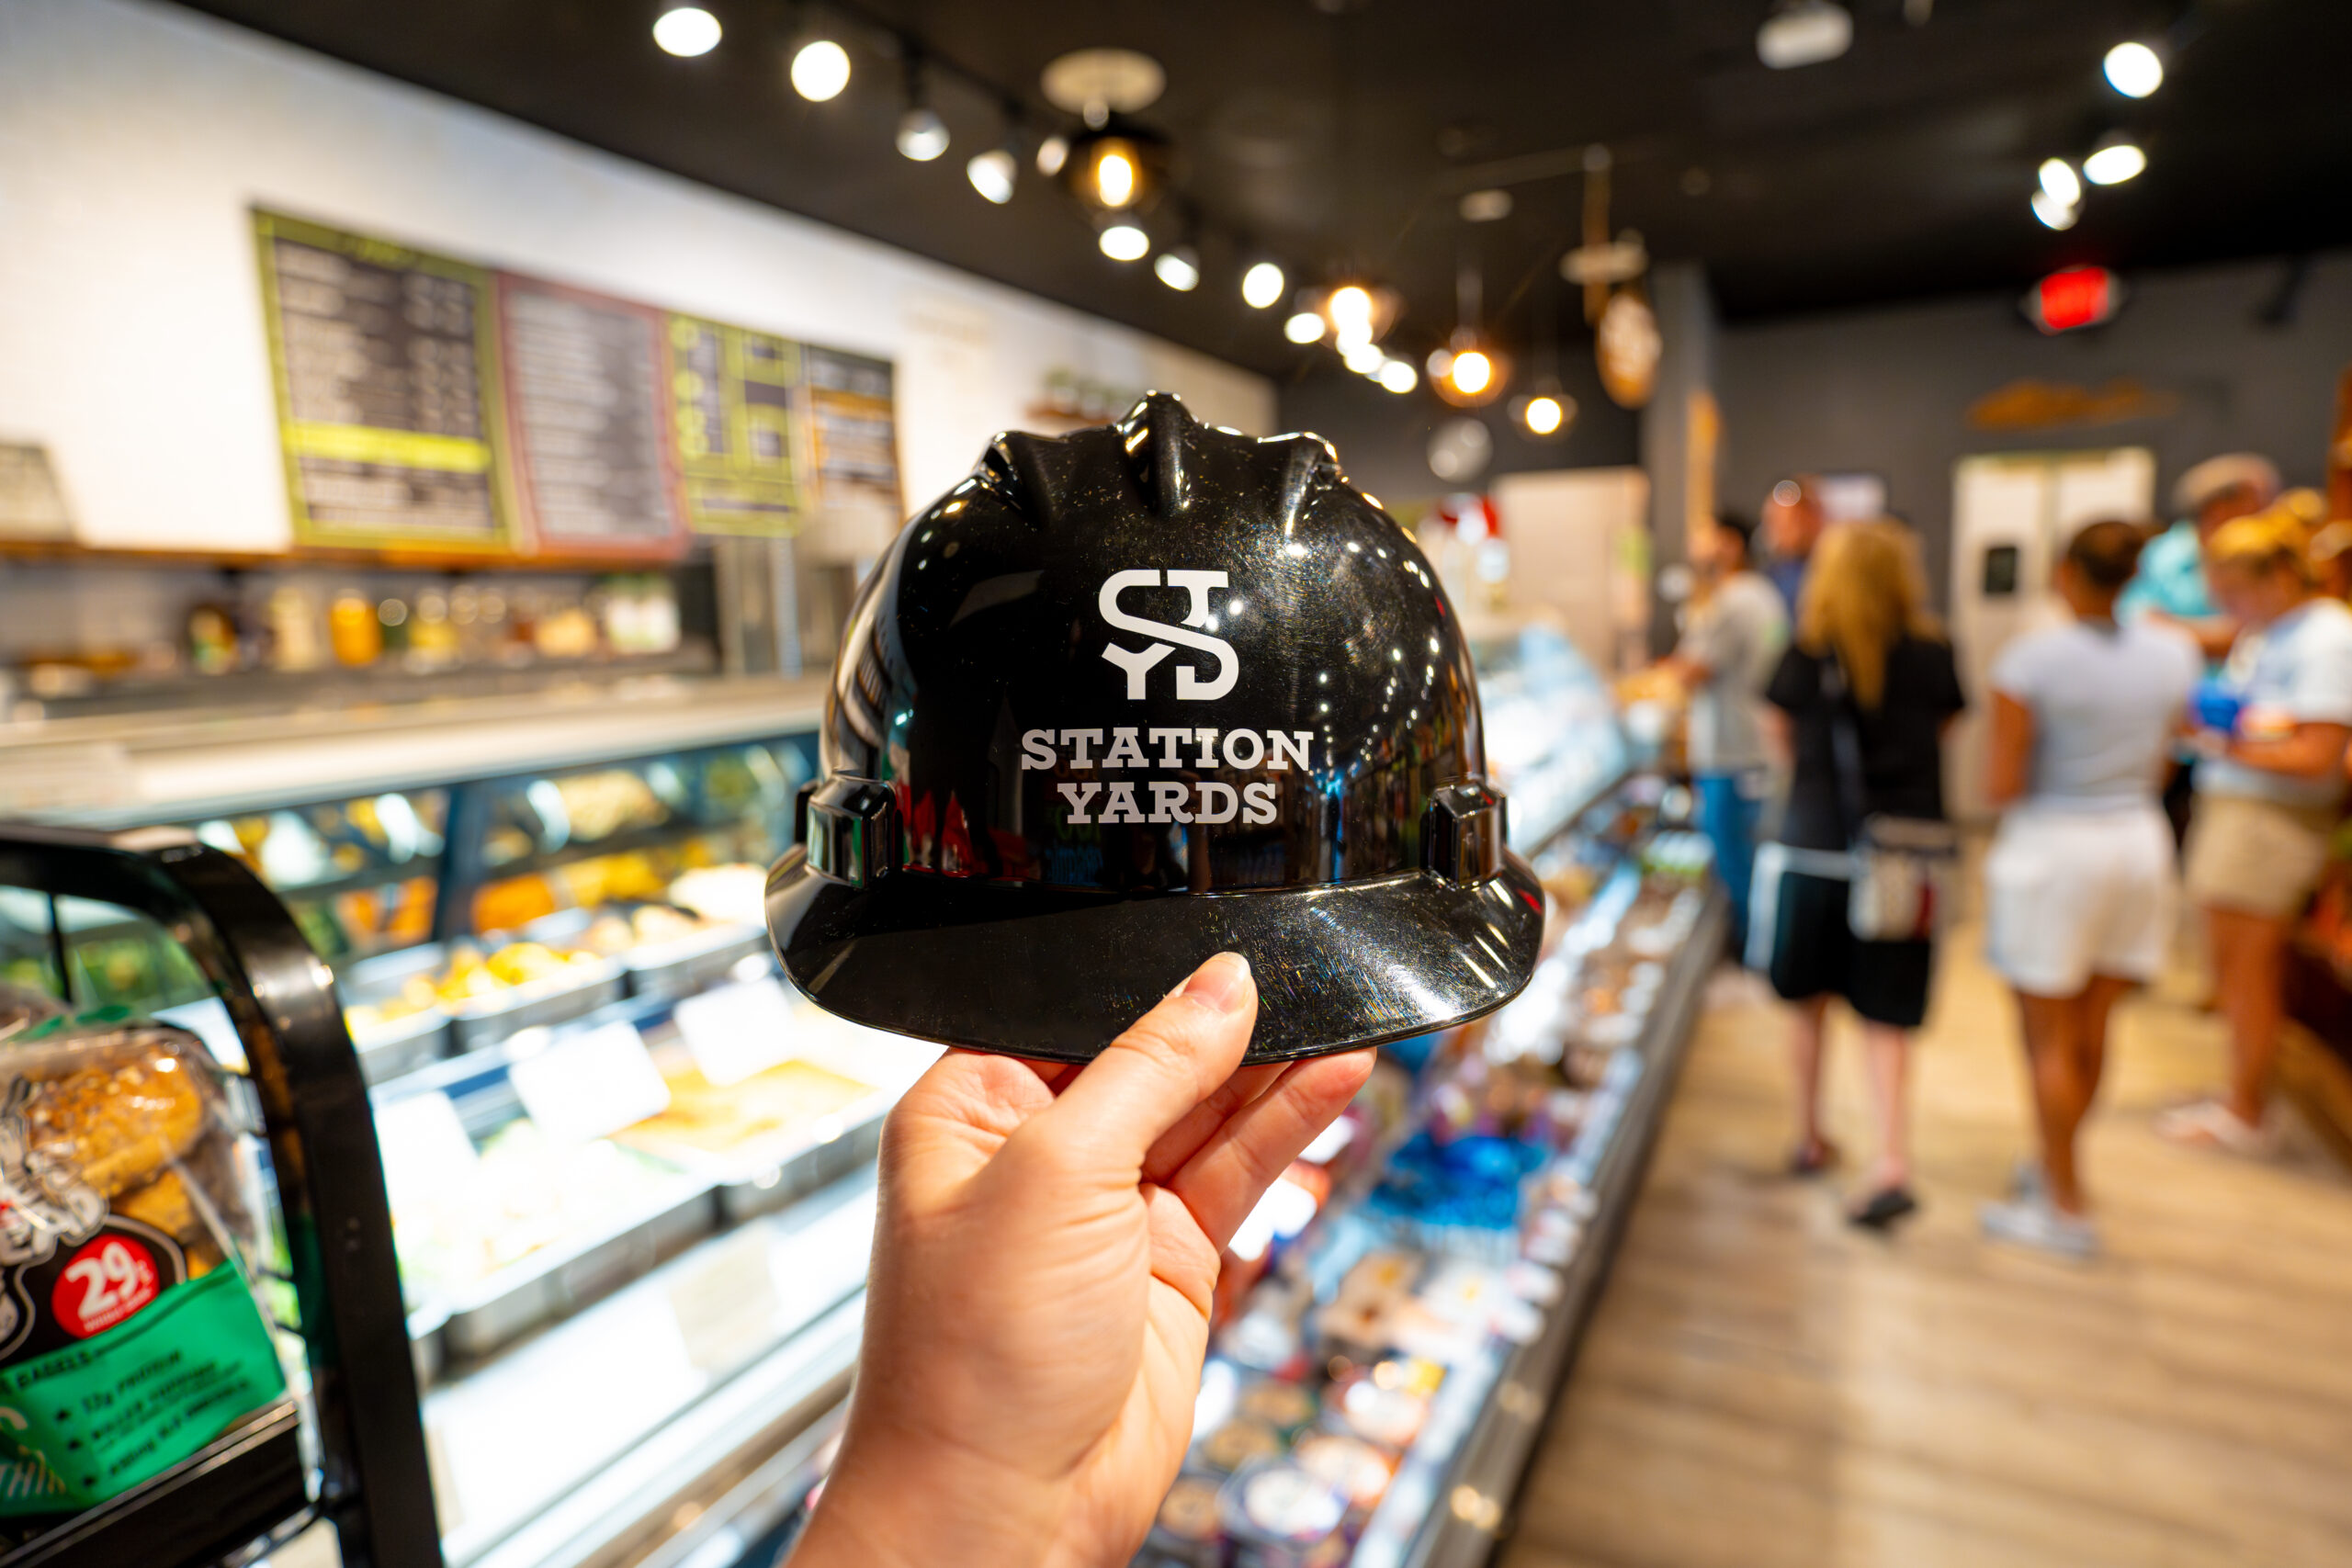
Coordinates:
[972,1512]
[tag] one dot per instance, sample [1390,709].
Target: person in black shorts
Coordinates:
[1866,645]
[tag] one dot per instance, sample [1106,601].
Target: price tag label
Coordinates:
[738,1029]
[591,1084]
[428,1159]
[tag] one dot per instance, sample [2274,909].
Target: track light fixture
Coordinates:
[819,70]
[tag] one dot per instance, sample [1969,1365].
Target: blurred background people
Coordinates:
[2079,891]
[1730,643]
[1793,520]
[2170,585]
[1867,653]
[2271,736]
[2331,557]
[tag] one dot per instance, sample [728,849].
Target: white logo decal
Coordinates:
[1166,638]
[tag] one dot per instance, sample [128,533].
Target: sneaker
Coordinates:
[2025,1181]
[2209,1124]
[2035,1222]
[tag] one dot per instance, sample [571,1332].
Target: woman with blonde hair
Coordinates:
[2270,740]
[1864,694]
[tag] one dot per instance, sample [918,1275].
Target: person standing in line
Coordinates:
[2079,881]
[2170,585]
[1793,520]
[1868,655]
[2270,783]
[1729,647]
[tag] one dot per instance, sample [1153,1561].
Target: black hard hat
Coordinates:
[1131,696]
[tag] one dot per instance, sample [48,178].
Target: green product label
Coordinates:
[106,1414]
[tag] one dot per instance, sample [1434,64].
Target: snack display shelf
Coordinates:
[1467,1504]
[1380,1376]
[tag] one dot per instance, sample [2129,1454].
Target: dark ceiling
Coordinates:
[1343,140]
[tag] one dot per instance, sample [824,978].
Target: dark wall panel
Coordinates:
[1889,389]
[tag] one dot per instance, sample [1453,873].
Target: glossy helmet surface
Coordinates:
[1132,696]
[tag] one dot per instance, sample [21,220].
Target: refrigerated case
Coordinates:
[630,1176]
[632,1263]
[1394,1319]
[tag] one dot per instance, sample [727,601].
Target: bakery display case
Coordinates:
[611,1138]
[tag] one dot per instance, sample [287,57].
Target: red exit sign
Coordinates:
[2074,298]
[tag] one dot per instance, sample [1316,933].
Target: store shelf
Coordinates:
[238,1487]
[1470,1504]
[722,1353]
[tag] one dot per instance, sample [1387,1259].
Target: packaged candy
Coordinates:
[128,1335]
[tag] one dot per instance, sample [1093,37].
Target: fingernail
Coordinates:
[1223,982]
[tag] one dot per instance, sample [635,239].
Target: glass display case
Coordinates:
[1552,739]
[631,1175]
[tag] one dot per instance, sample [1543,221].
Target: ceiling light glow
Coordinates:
[1805,32]
[1350,309]
[1052,154]
[1262,285]
[2114,164]
[2058,178]
[992,173]
[819,70]
[1543,415]
[2134,70]
[1126,243]
[1179,268]
[1363,359]
[1471,372]
[1304,327]
[1398,377]
[686,31]
[1114,179]
[2054,214]
[922,135]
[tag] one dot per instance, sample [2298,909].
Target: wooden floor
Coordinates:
[1762,1386]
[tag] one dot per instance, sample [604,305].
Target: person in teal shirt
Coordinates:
[2170,584]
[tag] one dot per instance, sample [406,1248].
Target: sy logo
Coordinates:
[1166,638]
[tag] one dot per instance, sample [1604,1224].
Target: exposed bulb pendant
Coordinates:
[922,135]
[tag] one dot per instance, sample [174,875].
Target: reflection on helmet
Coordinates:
[1152,661]
[1242,674]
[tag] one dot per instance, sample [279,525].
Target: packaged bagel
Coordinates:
[129,1337]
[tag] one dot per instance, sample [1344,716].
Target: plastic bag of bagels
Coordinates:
[130,1334]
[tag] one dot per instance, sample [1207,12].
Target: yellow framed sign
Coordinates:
[389,407]
[732,396]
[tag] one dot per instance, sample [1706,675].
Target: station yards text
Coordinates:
[1172,800]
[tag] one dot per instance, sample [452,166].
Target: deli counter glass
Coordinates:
[631,1173]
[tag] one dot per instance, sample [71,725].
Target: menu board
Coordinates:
[853,430]
[385,360]
[732,392]
[593,459]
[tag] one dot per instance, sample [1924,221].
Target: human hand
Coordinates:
[1044,1260]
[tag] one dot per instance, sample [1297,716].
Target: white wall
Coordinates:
[134,138]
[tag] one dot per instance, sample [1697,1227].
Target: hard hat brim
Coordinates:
[1056,974]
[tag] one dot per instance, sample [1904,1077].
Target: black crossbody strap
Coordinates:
[1844,748]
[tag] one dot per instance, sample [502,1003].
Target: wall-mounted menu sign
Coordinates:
[732,391]
[383,359]
[593,471]
[427,402]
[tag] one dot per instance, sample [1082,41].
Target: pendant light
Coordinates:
[1468,372]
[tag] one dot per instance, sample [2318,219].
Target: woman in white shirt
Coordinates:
[2079,883]
[2269,790]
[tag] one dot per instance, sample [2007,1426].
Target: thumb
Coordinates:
[1173,1058]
